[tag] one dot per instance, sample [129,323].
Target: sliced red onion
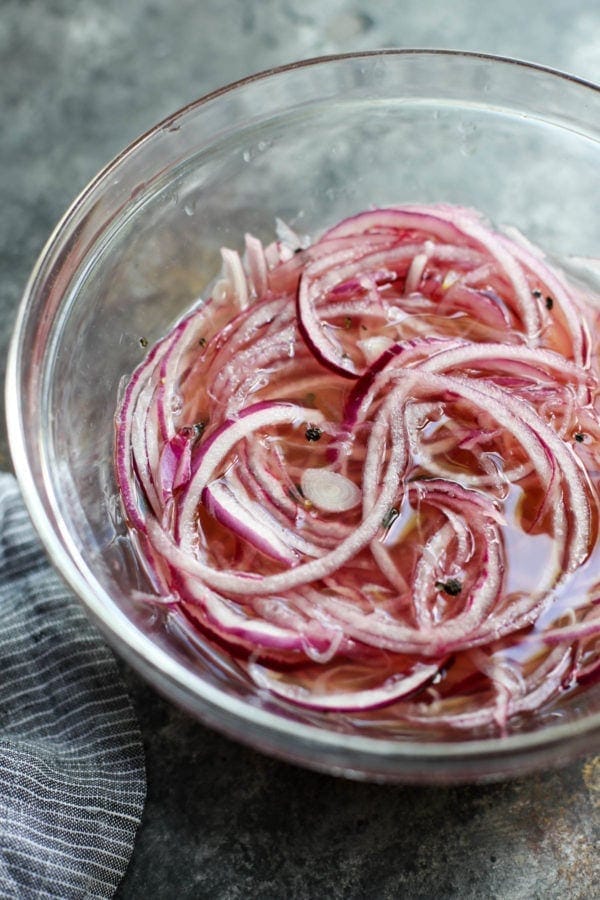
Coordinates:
[372,348]
[245,520]
[393,689]
[307,525]
[233,286]
[229,621]
[567,634]
[560,294]
[329,491]
[256,265]
[485,306]
[182,556]
[215,449]
[289,237]
[226,500]
[415,273]
[470,225]
[407,219]
[125,423]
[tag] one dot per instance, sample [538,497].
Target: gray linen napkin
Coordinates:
[72,781]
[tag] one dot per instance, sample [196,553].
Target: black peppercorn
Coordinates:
[313,433]
[452,586]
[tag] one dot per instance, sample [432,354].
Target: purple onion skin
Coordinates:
[244,529]
[314,349]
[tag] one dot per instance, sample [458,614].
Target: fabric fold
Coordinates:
[72,780]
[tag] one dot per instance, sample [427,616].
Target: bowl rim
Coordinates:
[143,653]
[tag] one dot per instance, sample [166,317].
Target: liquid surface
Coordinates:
[367,469]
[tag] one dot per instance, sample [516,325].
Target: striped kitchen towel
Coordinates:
[72,781]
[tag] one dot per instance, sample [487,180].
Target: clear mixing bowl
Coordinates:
[309,143]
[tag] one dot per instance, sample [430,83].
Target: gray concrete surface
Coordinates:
[80,79]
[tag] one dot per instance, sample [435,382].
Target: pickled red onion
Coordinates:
[341,464]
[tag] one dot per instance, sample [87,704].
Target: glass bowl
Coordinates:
[310,143]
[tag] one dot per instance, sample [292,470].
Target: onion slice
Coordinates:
[392,690]
[329,491]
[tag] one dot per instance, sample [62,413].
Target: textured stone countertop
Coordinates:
[79,80]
